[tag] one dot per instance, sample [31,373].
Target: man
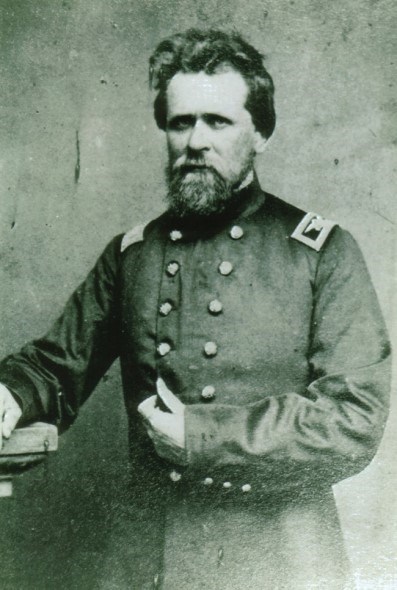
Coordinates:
[253,353]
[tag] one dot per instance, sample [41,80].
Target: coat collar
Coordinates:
[250,199]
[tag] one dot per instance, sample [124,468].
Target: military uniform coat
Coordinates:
[280,354]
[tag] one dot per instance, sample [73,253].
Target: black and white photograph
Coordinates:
[198,276]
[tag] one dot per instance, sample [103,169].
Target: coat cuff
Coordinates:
[205,434]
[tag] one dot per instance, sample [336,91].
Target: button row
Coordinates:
[215,306]
[225,268]
[175,476]
[236,232]
[210,348]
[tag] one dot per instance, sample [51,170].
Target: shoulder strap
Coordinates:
[131,237]
[313,231]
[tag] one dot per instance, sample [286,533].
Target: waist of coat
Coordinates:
[161,482]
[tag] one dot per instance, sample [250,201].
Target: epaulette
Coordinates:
[131,237]
[313,231]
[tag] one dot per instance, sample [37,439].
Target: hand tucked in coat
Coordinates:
[165,428]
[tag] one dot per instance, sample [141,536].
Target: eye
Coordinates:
[217,122]
[181,123]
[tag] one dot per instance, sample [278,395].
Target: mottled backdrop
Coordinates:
[81,160]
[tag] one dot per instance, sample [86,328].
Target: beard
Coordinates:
[198,190]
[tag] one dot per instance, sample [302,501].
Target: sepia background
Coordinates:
[81,160]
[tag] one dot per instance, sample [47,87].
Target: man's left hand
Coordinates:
[166,429]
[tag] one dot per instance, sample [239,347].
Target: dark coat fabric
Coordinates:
[281,356]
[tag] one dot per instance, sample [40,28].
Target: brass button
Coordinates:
[208,481]
[246,488]
[172,269]
[175,235]
[236,232]
[210,348]
[163,348]
[175,476]
[215,306]
[165,308]
[225,268]
[208,392]
[227,485]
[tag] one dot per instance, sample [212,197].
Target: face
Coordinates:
[211,138]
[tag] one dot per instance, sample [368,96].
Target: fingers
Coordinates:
[10,420]
[1,413]
[11,413]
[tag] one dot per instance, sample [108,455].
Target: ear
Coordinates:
[260,143]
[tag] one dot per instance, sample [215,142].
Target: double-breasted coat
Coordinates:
[279,351]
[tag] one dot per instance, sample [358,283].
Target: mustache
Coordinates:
[192,166]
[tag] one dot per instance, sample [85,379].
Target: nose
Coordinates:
[199,136]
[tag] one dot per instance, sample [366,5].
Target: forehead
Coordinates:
[194,93]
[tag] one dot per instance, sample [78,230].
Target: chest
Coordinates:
[209,308]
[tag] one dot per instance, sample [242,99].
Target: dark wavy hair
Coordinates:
[211,51]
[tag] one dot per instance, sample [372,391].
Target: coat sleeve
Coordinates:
[333,430]
[53,375]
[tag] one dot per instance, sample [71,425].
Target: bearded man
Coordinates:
[253,352]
